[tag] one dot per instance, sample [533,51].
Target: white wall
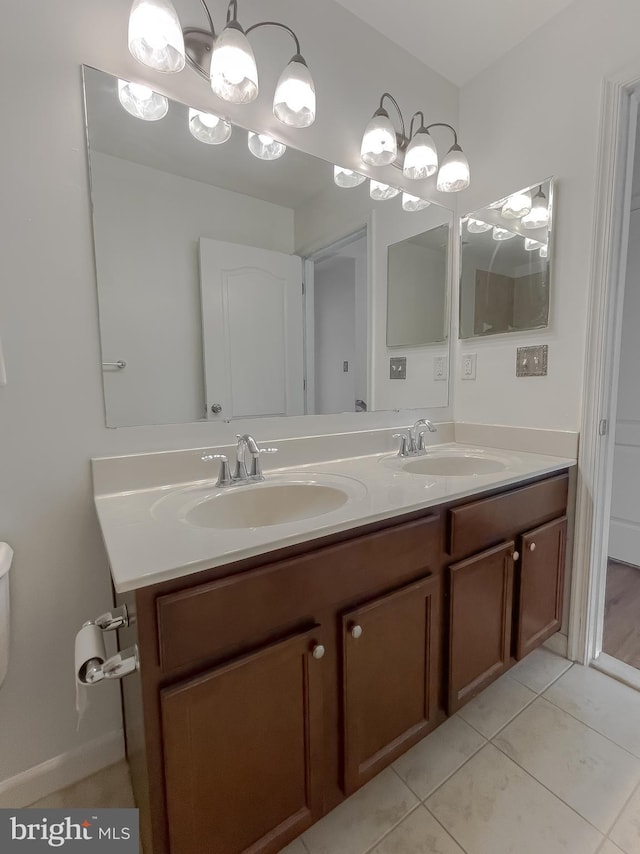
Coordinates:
[624,543]
[149,278]
[52,412]
[534,114]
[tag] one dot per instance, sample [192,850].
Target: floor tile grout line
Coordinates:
[510,721]
[551,792]
[449,776]
[619,816]
[391,829]
[546,688]
[448,832]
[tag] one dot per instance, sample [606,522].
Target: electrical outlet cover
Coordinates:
[468,370]
[440,368]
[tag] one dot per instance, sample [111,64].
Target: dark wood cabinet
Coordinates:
[539,585]
[390,677]
[242,751]
[480,605]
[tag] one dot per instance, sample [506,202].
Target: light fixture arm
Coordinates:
[418,113]
[232,4]
[399,111]
[209,18]
[281,27]
[444,125]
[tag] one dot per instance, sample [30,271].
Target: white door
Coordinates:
[252,322]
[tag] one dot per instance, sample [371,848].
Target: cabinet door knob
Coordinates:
[318,651]
[516,555]
[532,547]
[356,632]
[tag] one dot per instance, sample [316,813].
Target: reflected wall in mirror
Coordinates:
[506,264]
[236,287]
[417,309]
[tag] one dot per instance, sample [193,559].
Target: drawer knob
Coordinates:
[318,651]
[356,632]
[516,555]
[532,547]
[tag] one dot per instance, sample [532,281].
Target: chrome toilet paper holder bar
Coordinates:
[117,667]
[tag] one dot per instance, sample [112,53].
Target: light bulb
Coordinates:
[208,128]
[294,103]
[411,204]
[538,216]
[234,75]
[454,172]
[347,178]
[476,226]
[155,35]
[544,250]
[502,233]
[141,101]
[421,158]
[379,143]
[517,205]
[530,244]
[380,192]
[265,147]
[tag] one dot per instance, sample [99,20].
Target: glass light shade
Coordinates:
[502,233]
[294,103]
[476,226]
[544,250]
[517,205]
[265,147]
[530,244]
[141,101]
[347,178]
[382,192]
[421,158]
[538,216]
[379,143]
[234,75]
[454,172]
[208,128]
[155,35]
[411,204]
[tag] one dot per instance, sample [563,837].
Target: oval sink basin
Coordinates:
[268,504]
[457,465]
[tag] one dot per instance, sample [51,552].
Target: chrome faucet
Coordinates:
[240,474]
[412,441]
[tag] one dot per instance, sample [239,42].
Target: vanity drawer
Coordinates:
[486,522]
[223,617]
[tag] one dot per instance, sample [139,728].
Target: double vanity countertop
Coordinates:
[170,530]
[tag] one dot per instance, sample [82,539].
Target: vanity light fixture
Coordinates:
[141,101]
[412,204]
[264,146]
[347,178]
[502,233]
[476,226]
[226,59]
[517,205]
[415,153]
[538,216]
[380,192]
[530,244]
[208,128]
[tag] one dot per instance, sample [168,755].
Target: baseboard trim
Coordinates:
[61,771]
[559,644]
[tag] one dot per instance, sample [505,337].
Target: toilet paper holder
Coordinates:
[110,621]
[119,665]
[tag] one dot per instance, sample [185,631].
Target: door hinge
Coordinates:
[603,427]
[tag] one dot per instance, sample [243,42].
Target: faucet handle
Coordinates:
[224,477]
[403,450]
[421,443]
[256,462]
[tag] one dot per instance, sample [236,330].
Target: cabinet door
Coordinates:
[540,585]
[242,748]
[390,677]
[480,606]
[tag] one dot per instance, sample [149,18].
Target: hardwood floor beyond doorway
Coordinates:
[622,613]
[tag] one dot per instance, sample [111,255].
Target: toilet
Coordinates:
[6,556]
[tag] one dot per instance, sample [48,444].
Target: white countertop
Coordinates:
[149,540]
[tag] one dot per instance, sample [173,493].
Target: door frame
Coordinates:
[614,175]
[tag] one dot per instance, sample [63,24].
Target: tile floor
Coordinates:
[545,761]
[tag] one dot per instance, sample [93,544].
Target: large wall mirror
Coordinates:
[231,286]
[506,264]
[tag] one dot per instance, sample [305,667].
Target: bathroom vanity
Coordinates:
[280,679]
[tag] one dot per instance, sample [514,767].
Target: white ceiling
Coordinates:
[457,38]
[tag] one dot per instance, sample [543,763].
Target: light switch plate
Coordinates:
[398,368]
[440,367]
[468,368]
[532,361]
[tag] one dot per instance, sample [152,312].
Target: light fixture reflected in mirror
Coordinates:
[412,204]
[142,102]
[347,178]
[476,226]
[502,233]
[264,146]
[208,128]
[380,192]
[155,35]
[517,205]
[538,216]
